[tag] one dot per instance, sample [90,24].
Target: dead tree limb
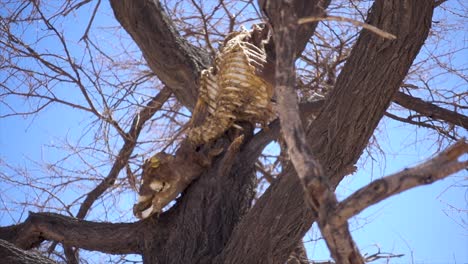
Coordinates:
[437,168]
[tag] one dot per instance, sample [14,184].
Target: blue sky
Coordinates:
[424,223]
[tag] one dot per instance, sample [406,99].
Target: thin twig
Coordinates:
[371,28]
[85,35]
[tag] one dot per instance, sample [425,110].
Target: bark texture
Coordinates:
[211,221]
[10,254]
[338,136]
[203,219]
[176,63]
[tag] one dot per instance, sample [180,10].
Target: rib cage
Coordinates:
[232,90]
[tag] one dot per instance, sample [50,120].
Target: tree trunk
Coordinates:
[213,221]
[202,224]
[364,89]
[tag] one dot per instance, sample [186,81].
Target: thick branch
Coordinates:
[368,82]
[305,164]
[302,9]
[104,237]
[176,62]
[319,195]
[364,89]
[430,110]
[13,255]
[437,168]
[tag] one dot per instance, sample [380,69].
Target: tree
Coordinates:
[345,86]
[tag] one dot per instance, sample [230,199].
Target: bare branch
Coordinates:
[430,110]
[303,9]
[255,146]
[124,154]
[371,28]
[408,120]
[437,168]
[85,35]
[340,132]
[318,191]
[306,165]
[13,255]
[439,2]
[106,237]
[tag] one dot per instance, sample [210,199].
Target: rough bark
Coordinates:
[205,216]
[113,238]
[203,222]
[12,255]
[444,164]
[363,91]
[318,192]
[176,62]
[302,9]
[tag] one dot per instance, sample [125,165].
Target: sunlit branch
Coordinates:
[177,66]
[349,20]
[318,192]
[442,165]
